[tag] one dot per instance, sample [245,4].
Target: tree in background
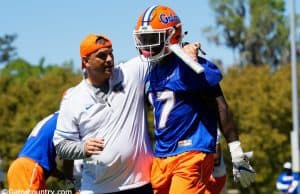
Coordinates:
[260,100]
[7,51]
[255,30]
[261,103]
[28,93]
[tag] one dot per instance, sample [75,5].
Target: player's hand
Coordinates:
[242,170]
[93,146]
[192,49]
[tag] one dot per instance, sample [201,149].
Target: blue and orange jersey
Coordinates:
[183,120]
[39,146]
[286,182]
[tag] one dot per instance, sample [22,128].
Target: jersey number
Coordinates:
[168,99]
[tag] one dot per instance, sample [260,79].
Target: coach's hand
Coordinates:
[192,49]
[93,146]
[242,170]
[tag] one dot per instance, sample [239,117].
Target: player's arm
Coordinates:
[242,170]
[64,173]
[226,122]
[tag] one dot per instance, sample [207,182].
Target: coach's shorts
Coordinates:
[186,173]
[24,174]
[215,185]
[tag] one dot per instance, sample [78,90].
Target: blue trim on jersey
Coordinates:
[191,124]
[40,147]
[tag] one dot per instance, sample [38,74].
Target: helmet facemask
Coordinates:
[153,44]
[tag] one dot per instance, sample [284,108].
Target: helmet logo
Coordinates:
[168,18]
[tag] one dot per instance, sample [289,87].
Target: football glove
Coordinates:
[242,170]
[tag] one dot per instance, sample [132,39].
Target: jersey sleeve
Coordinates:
[137,68]
[209,78]
[66,128]
[212,73]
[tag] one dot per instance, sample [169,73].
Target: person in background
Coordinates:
[187,108]
[287,181]
[37,159]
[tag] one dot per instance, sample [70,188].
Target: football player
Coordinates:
[36,161]
[187,108]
